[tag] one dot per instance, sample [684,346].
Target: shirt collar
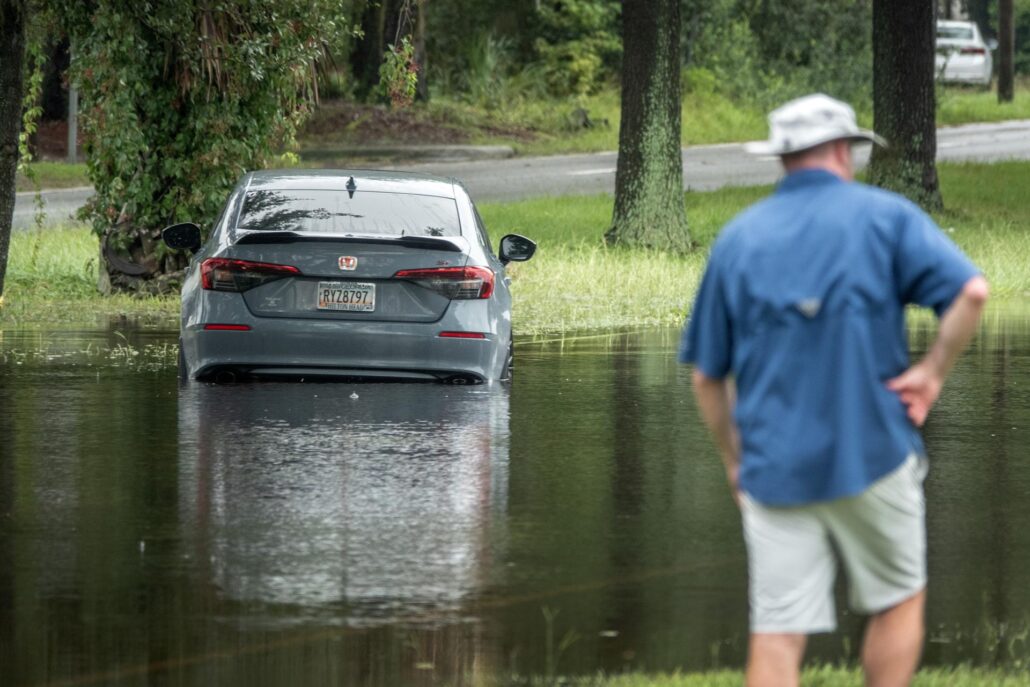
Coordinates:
[804,178]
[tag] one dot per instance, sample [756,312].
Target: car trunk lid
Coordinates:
[348,277]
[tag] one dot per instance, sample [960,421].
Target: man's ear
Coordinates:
[843,154]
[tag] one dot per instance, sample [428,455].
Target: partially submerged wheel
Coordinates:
[182,371]
[509,363]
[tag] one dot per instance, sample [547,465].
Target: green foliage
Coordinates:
[398,75]
[488,80]
[40,25]
[182,97]
[579,45]
[764,53]
[462,32]
[756,52]
[31,105]
[563,47]
[1022,22]
[485,80]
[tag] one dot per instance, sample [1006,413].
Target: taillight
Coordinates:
[456,283]
[224,274]
[227,327]
[461,335]
[973,51]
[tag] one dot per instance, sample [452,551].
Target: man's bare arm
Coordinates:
[920,385]
[715,398]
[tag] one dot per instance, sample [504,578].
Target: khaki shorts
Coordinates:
[880,535]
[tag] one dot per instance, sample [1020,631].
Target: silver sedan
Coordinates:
[318,273]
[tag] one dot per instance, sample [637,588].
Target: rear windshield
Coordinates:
[336,212]
[964,33]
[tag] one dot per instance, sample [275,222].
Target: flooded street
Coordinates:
[383,534]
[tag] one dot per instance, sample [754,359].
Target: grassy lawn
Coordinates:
[52,277]
[568,286]
[54,175]
[957,105]
[815,677]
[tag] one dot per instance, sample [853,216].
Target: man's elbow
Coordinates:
[976,291]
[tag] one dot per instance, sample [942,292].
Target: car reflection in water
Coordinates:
[359,503]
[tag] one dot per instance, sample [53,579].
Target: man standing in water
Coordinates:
[803,305]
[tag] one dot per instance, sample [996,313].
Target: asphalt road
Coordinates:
[704,167]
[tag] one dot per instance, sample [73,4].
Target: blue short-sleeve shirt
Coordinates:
[803,302]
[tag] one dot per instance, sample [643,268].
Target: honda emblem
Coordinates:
[348,262]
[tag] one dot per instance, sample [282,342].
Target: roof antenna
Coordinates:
[351,187]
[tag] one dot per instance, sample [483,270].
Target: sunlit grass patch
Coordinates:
[576,283]
[52,277]
[587,286]
[53,262]
[571,283]
[987,215]
[964,105]
[54,175]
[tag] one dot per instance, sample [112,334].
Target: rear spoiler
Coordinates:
[428,242]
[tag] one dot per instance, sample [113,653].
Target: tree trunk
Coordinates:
[12,55]
[980,12]
[1006,51]
[368,52]
[421,58]
[904,105]
[649,208]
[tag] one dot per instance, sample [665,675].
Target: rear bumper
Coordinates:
[277,347]
[969,72]
[284,347]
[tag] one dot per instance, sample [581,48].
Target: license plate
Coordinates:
[338,295]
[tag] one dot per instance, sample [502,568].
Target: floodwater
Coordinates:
[384,534]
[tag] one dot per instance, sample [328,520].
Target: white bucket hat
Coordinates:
[807,122]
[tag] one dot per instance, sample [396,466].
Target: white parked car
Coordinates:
[962,54]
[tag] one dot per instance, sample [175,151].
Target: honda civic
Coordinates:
[333,274]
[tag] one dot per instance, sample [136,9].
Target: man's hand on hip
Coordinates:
[918,388]
[920,385]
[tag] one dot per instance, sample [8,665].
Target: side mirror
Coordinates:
[992,44]
[185,236]
[515,248]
